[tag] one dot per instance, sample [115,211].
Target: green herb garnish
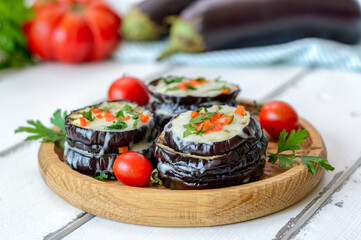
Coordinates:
[173,80]
[190,87]
[219,107]
[88,115]
[292,143]
[119,114]
[227,131]
[230,121]
[172,89]
[39,131]
[220,89]
[102,176]
[14,52]
[135,123]
[104,109]
[201,79]
[120,124]
[126,108]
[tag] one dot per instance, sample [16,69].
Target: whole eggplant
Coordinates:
[213,24]
[148,20]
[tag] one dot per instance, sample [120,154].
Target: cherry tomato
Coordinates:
[73,31]
[276,116]
[129,88]
[132,169]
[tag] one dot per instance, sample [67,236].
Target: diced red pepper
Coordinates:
[223,91]
[82,121]
[99,116]
[144,118]
[123,149]
[194,114]
[126,118]
[96,110]
[239,110]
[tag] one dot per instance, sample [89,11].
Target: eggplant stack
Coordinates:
[97,134]
[212,147]
[174,95]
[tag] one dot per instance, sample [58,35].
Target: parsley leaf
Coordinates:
[230,121]
[102,176]
[120,124]
[88,115]
[186,133]
[126,108]
[173,80]
[220,89]
[119,114]
[135,123]
[219,107]
[172,89]
[13,45]
[292,143]
[189,127]
[39,131]
[227,131]
[190,87]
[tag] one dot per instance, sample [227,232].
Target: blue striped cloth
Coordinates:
[303,52]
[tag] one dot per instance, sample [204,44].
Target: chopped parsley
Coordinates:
[172,89]
[102,176]
[190,87]
[120,124]
[119,114]
[224,87]
[200,118]
[88,115]
[173,80]
[126,108]
[135,124]
[219,107]
[227,131]
[230,121]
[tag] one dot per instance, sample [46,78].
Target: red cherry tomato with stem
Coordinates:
[132,169]
[277,116]
[129,88]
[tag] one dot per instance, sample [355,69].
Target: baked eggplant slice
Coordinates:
[93,164]
[185,171]
[228,130]
[110,124]
[180,90]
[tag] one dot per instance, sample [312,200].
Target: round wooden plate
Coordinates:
[278,188]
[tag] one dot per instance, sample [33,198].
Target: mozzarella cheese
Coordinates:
[229,130]
[210,88]
[100,124]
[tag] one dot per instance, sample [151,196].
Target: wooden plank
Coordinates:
[36,92]
[339,217]
[29,209]
[336,97]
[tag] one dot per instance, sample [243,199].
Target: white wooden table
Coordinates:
[330,100]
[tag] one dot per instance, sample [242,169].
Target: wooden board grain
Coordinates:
[278,188]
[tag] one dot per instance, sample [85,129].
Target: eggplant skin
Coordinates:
[93,165]
[185,171]
[157,10]
[212,24]
[253,130]
[114,139]
[95,149]
[191,100]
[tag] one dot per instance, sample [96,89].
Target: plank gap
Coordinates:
[298,222]
[291,82]
[68,228]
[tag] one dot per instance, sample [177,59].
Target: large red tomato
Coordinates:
[74,31]
[277,116]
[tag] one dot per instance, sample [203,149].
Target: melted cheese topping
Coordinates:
[113,108]
[228,131]
[209,88]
